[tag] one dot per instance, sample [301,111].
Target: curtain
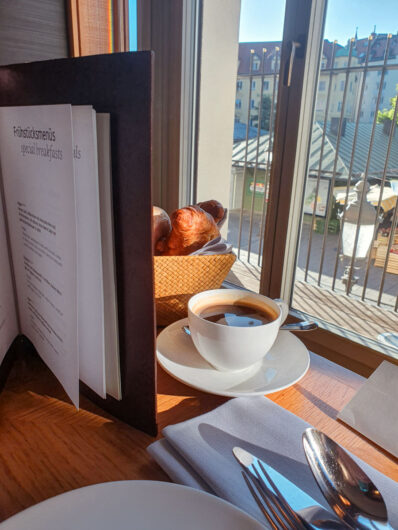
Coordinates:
[97,26]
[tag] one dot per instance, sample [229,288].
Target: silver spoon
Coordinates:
[304,325]
[345,486]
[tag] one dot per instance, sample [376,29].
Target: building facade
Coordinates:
[258,72]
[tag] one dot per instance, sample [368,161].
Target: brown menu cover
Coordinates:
[119,84]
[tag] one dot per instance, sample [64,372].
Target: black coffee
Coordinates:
[242,316]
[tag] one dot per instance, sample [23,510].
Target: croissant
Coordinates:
[214,208]
[192,228]
[161,224]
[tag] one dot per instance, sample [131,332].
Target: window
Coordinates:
[238,104]
[384,84]
[243,196]
[379,73]
[253,85]
[382,99]
[372,114]
[239,85]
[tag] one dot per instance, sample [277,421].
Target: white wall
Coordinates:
[219,62]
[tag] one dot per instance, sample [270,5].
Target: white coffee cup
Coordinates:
[230,348]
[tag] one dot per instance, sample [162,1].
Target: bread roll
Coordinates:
[161,225]
[192,227]
[214,208]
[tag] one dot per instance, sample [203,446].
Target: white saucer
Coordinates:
[285,364]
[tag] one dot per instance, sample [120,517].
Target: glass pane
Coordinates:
[133,25]
[260,36]
[347,265]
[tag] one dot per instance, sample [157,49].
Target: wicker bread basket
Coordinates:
[177,278]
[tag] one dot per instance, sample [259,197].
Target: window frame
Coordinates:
[283,220]
[304,19]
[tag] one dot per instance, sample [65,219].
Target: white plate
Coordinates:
[285,364]
[132,505]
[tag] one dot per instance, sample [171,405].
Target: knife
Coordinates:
[313,513]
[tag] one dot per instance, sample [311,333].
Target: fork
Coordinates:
[277,512]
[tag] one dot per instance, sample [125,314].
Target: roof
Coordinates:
[345,52]
[379,148]
[377,160]
[239,148]
[327,51]
[240,131]
[244,56]
[378,46]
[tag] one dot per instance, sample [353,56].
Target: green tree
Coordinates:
[265,113]
[388,114]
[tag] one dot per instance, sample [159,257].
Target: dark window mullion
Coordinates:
[296,27]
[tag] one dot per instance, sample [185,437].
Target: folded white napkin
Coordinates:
[198,452]
[373,411]
[217,245]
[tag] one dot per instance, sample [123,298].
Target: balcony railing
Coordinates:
[349,236]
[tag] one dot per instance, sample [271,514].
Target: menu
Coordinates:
[50,229]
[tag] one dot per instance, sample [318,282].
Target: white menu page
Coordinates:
[38,176]
[8,312]
[112,358]
[91,338]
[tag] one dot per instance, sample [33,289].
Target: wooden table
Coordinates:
[47,447]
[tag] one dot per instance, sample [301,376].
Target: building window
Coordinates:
[379,73]
[351,86]
[252,104]
[372,114]
[339,106]
[323,64]
[342,83]
[239,85]
[256,65]
[381,99]
[238,104]
[253,85]
[322,86]
[361,114]
[384,84]
[266,85]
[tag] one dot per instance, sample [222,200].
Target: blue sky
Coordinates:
[133,25]
[262,20]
